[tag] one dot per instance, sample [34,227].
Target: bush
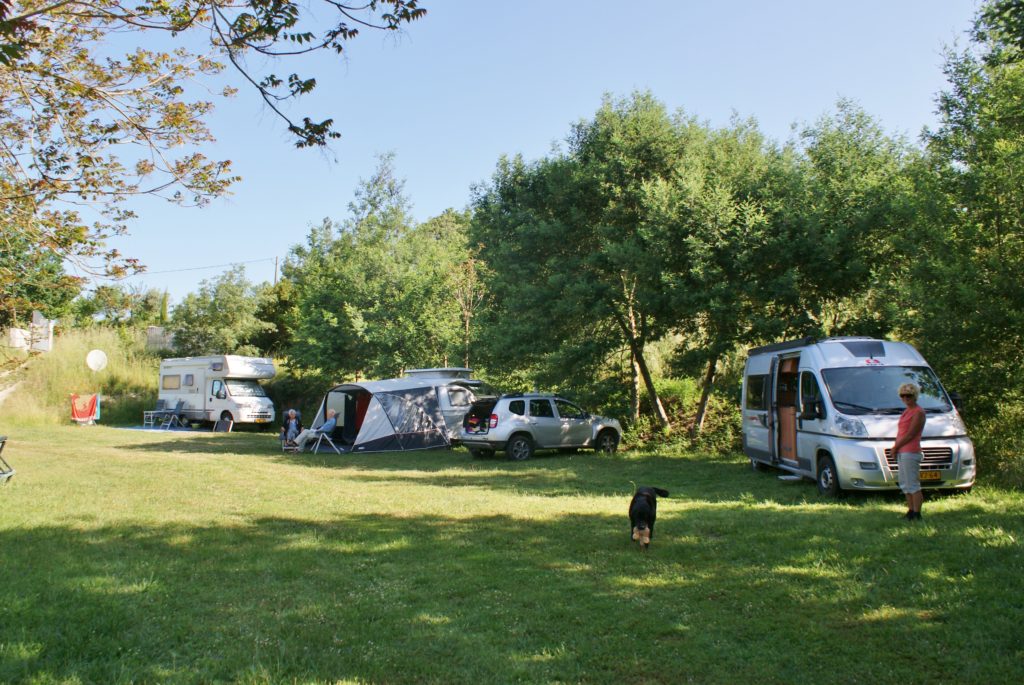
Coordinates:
[680,397]
[999,445]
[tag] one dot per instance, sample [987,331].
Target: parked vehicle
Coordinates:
[456,392]
[828,410]
[223,387]
[519,424]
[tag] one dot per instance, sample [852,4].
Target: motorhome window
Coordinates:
[189,380]
[875,389]
[459,397]
[809,391]
[245,388]
[755,392]
[568,410]
[171,382]
[217,366]
[541,408]
[517,407]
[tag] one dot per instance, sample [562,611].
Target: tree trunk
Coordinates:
[705,395]
[634,386]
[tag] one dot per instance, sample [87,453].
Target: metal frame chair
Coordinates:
[168,419]
[324,437]
[6,471]
[149,417]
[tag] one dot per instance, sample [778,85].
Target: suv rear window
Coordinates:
[517,407]
[541,408]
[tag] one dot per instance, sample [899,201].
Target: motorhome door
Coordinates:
[218,402]
[773,408]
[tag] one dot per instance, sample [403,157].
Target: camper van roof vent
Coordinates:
[872,349]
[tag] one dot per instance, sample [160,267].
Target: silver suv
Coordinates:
[520,424]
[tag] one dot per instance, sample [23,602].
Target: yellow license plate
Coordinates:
[931,475]
[268,420]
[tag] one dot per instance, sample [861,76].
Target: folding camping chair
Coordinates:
[6,472]
[149,417]
[325,437]
[172,418]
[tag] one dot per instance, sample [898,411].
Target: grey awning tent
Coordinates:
[384,416]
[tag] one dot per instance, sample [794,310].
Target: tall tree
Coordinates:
[373,293]
[220,318]
[86,123]
[564,239]
[967,290]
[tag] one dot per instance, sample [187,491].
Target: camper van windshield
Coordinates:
[245,389]
[875,389]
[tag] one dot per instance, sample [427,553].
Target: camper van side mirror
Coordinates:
[958,401]
[222,395]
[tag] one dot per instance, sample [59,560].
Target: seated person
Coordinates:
[291,427]
[312,433]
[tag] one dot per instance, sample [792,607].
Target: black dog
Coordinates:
[643,511]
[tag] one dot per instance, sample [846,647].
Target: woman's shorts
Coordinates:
[910,471]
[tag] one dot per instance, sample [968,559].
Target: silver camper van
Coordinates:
[828,410]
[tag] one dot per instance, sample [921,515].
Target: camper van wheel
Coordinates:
[828,478]
[226,416]
[520,447]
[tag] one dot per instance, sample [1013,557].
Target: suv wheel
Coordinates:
[607,442]
[519,448]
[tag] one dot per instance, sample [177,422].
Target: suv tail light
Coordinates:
[494,421]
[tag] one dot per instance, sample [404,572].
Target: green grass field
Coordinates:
[147,557]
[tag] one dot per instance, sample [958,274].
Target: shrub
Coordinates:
[999,445]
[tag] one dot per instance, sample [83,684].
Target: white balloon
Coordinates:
[96,360]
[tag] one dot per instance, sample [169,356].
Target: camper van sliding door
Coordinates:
[773,409]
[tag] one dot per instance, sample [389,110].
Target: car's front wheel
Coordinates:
[607,442]
[519,448]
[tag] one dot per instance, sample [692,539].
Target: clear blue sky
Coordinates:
[478,79]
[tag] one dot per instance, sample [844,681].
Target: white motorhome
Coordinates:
[219,387]
[828,410]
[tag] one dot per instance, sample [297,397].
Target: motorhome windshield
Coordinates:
[875,389]
[245,389]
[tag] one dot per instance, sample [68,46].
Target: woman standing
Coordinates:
[907,449]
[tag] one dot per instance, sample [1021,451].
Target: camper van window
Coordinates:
[189,380]
[755,392]
[875,390]
[245,388]
[171,382]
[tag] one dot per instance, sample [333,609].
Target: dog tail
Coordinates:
[661,493]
